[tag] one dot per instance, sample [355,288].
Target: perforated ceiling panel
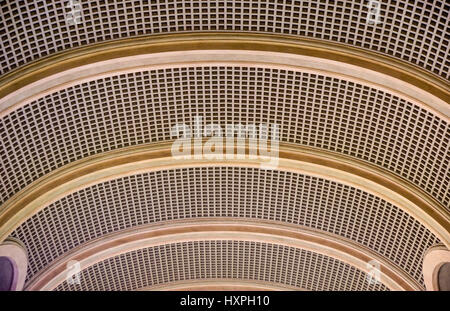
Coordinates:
[142,107]
[206,260]
[244,193]
[413,31]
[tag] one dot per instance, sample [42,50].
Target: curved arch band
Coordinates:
[124,242]
[133,160]
[220,285]
[84,64]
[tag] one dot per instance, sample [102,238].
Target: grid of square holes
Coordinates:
[222,259]
[411,30]
[141,107]
[238,193]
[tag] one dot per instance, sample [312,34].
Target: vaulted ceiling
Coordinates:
[88,176]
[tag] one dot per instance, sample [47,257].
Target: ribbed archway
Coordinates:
[362,175]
